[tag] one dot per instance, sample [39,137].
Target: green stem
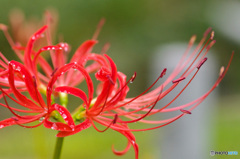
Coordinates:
[58,148]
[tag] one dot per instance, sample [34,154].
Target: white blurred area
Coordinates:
[192,136]
[224,16]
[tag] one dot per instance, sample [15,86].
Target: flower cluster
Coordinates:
[106,104]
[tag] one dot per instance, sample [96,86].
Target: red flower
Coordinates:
[16,78]
[35,105]
[110,108]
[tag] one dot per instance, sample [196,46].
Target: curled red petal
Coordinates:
[55,76]
[74,91]
[65,114]
[29,47]
[29,83]
[113,67]
[119,153]
[36,57]
[80,55]
[84,125]
[56,125]
[108,85]
[83,49]
[61,71]
[7,122]
[131,140]
[88,81]
[18,121]
[69,126]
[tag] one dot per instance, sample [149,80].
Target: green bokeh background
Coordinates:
[134,29]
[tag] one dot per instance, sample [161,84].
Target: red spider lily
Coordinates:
[59,55]
[35,105]
[32,59]
[110,108]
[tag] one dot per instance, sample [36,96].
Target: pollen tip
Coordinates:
[193,38]
[48,15]
[221,71]
[178,80]
[202,62]
[14,118]
[101,23]
[133,77]
[185,111]
[212,35]
[3,27]
[34,81]
[110,79]
[54,72]
[115,118]
[163,72]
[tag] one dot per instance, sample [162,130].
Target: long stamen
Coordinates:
[4,58]
[129,81]
[36,91]
[99,27]
[161,75]
[154,104]
[156,127]
[21,117]
[177,94]
[112,123]
[185,72]
[26,126]
[105,48]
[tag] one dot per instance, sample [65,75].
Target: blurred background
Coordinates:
[135,30]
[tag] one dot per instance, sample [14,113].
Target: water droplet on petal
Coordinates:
[64,116]
[18,68]
[41,119]
[13,66]
[1,126]
[54,126]
[73,127]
